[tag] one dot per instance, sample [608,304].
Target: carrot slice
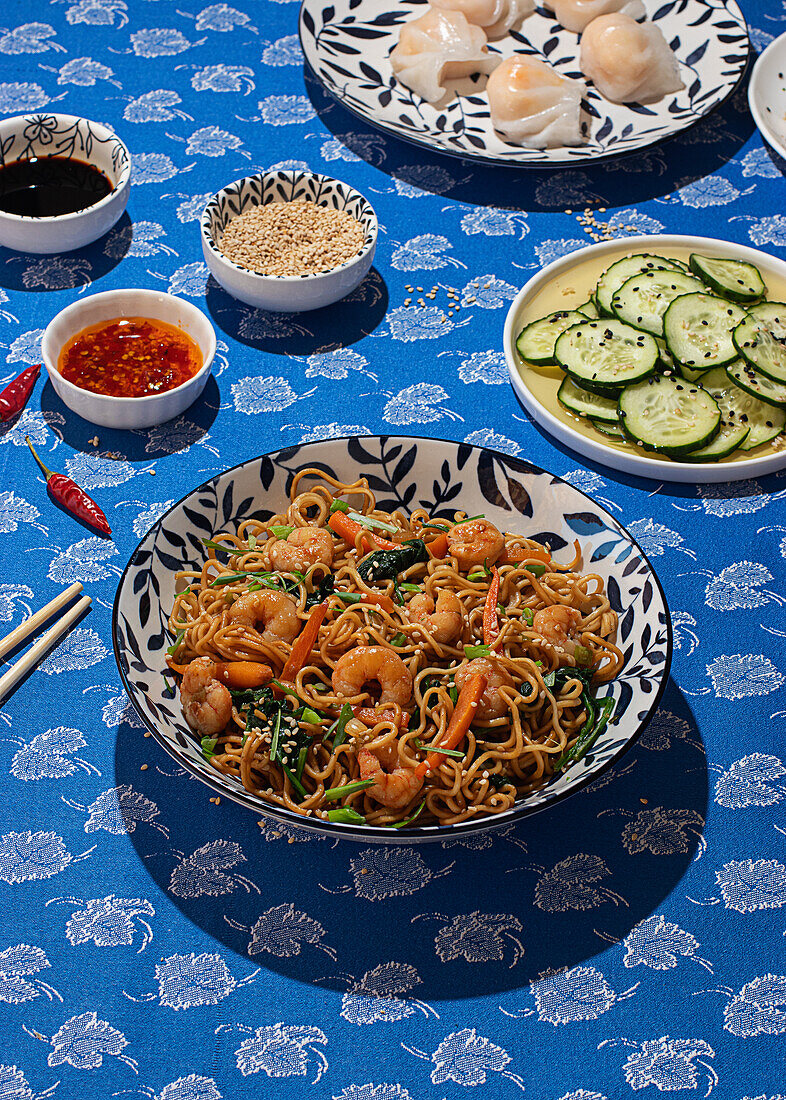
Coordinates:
[516,557]
[438,547]
[349,529]
[460,721]
[490,615]
[379,600]
[304,643]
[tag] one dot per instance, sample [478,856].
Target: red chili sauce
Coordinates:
[130,357]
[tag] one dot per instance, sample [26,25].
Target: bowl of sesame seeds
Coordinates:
[289,241]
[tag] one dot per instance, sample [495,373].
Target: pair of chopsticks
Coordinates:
[10,679]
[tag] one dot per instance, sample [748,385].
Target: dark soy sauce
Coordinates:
[44,187]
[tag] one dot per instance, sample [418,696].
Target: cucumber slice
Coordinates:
[761,339]
[536,342]
[605,355]
[666,361]
[756,384]
[689,374]
[737,406]
[613,431]
[589,309]
[697,329]
[583,403]
[733,279]
[619,272]
[644,298]
[669,416]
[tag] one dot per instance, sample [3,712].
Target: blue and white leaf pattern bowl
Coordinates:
[290,293]
[405,473]
[347,44]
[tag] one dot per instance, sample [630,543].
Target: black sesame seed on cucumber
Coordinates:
[668,415]
[605,355]
[536,342]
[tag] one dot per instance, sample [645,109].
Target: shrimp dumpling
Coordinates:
[628,62]
[533,106]
[496,17]
[575,15]
[439,46]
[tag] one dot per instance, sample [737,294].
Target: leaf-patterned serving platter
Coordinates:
[347,45]
[405,473]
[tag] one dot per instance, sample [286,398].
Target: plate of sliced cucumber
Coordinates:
[662,356]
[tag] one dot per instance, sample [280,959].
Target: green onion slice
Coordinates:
[406,586]
[473,651]
[339,506]
[398,640]
[349,788]
[435,748]
[274,742]
[301,762]
[208,746]
[536,568]
[176,644]
[211,545]
[346,815]
[340,726]
[279,531]
[528,615]
[409,820]
[369,521]
[293,779]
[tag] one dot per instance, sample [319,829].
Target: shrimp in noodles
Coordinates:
[393,643]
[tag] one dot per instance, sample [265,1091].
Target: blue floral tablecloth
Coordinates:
[157,944]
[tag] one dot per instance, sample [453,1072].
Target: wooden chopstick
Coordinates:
[34,621]
[44,643]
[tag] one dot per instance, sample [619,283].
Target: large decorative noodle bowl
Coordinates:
[405,474]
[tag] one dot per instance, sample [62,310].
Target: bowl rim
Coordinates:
[378,833]
[106,398]
[369,244]
[637,465]
[122,184]
[757,75]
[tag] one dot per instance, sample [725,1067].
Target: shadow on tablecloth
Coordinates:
[623,181]
[453,920]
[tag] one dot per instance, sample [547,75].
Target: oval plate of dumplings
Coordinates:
[348,45]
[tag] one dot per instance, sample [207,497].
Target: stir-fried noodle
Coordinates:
[328,653]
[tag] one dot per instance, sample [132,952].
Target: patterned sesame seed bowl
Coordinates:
[287,293]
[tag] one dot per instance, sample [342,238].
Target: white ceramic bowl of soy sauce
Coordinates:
[54,161]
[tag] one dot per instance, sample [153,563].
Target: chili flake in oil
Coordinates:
[130,357]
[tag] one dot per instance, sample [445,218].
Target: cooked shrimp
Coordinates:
[275,610]
[302,548]
[491,704]
[444,621]
[557,625]
[475,543]
[394,789]
[207,704]
[369,663]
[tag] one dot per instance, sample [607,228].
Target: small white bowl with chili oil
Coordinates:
[129,358]
[289,241]
[64,182]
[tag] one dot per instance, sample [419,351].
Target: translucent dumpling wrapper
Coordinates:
[496,17]
[628,62]
[532,105]
[437,47]
[575,15]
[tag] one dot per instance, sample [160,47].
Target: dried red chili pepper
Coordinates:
[15,395]
[75,500]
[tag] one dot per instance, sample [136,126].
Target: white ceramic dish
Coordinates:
[558,423]
[346,44]
[128,412]
[287,293]
[47,135]
[767,94]
[513,494]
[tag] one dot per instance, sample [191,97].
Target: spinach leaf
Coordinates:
[386,565]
